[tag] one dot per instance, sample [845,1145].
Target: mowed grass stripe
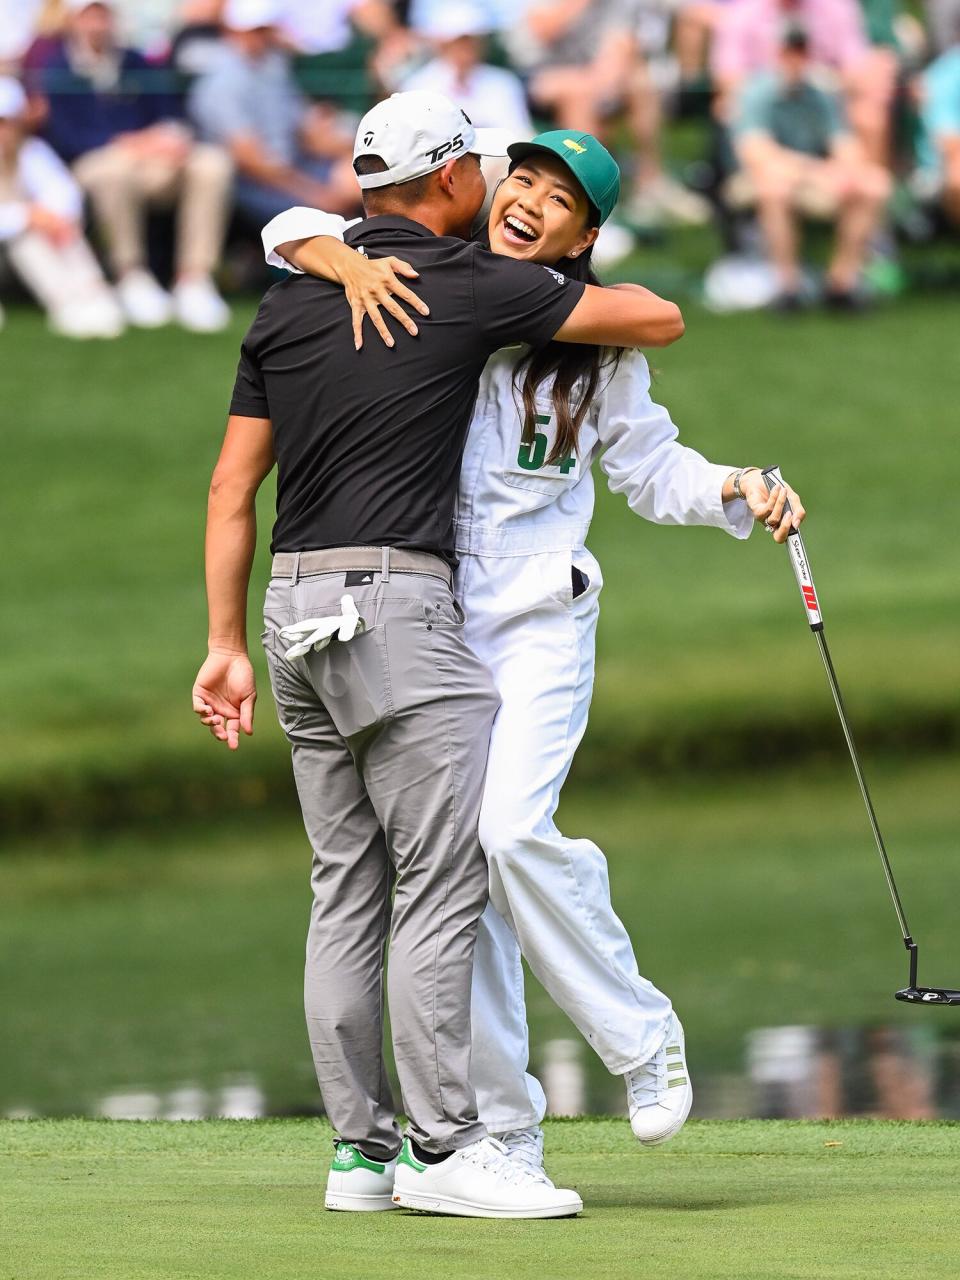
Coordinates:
[726,1199]
[165,957]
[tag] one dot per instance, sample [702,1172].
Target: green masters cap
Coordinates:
[587,159]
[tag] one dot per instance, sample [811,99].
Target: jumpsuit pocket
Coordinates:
[584,580]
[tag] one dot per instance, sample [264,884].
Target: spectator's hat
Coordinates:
[13,100]
[450,21]
[417,132]
[587,159]
[251,15]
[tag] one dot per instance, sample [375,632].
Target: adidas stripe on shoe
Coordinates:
[659,1093]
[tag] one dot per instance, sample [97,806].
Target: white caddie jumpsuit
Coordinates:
[521,530]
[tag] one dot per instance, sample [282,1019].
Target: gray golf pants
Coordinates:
[389,734]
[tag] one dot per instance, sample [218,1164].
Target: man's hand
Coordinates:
[224,694]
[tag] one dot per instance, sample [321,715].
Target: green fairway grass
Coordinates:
[172,955]
[724,1201]
[702,642]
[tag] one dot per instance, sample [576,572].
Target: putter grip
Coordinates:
[798,558]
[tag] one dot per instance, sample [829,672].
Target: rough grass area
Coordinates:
[756,1200]
[174,955]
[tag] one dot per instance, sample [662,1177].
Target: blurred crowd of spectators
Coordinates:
[225,112]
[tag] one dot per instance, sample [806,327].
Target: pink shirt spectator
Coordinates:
[748,34]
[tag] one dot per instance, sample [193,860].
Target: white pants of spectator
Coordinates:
[61,277]
[549,893]
[121,188]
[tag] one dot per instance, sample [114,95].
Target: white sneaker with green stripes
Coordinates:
[659,1093]
[357,1184]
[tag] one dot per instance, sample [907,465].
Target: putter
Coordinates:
[913,993]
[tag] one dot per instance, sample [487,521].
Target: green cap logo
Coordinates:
[574,146]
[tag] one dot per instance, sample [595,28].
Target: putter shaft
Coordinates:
[811,603]
[851,747]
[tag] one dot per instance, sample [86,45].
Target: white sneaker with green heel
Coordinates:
[357,1184]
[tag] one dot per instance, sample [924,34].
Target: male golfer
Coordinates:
[387,711]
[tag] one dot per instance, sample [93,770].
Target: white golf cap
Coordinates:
[459,18]
[250,15]
[13,101]
[417,132]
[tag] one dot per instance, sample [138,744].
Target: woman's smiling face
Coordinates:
[540,212]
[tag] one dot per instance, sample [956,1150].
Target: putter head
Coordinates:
[929,995]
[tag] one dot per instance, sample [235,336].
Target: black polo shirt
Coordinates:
[369,443]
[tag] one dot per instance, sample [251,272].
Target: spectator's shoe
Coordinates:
[480,1181]
[359,1185]
[198,307]
[845,300]
[144,303]
[788,302]
[525,1147]
[659,1094]
[612,245]
[96,317]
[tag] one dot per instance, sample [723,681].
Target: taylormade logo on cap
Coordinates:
[416,132]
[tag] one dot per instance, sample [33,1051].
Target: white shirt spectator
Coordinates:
[41,178]
[491,96]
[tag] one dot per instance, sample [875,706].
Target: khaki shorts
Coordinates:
[811,198]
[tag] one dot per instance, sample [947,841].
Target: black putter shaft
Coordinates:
[808,592]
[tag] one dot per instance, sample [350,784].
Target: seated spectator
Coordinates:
[492,97]
[747,38]
[41,229]
[798,158]
[111,116]
[585,69]
[281,144]
[940,139]
[748,35]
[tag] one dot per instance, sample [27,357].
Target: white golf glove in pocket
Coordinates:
[316,633]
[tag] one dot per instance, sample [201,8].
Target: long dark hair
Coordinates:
[576,370]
